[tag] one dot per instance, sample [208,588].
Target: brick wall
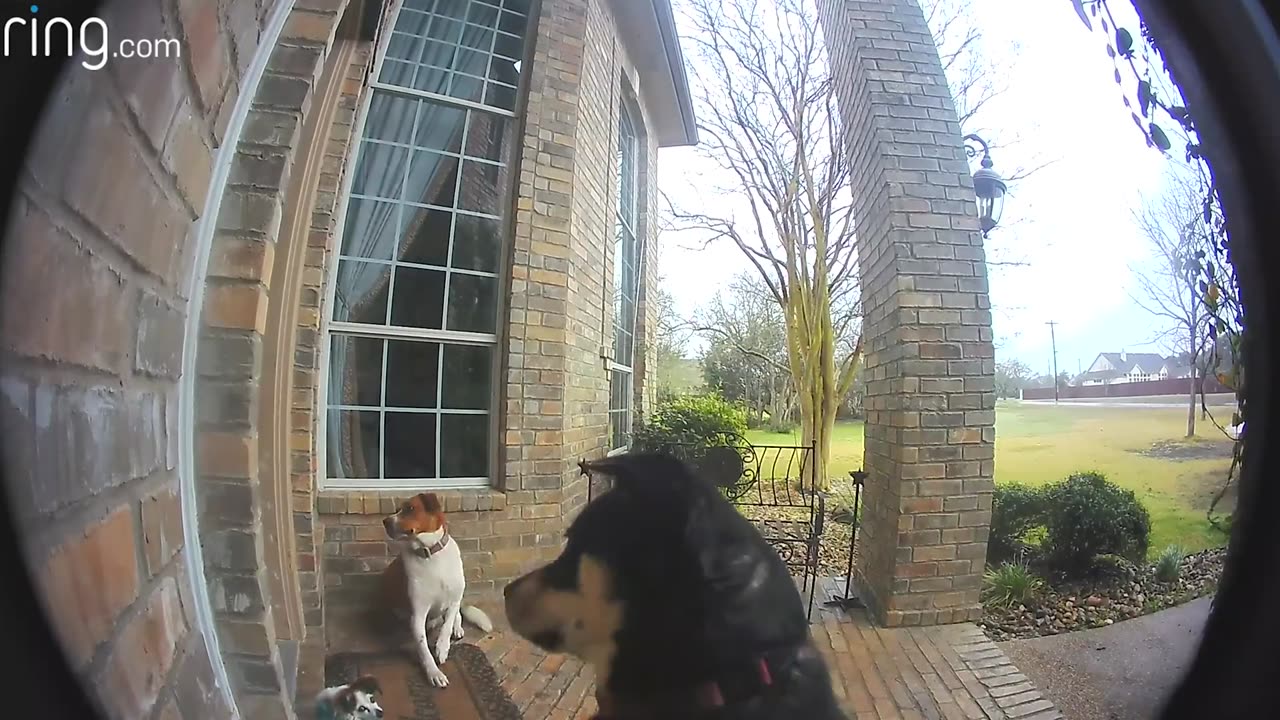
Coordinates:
[929,364]
[111,208]
[555,404]
[96,297]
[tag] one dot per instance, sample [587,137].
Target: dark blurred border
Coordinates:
[1234,87]
[39,679]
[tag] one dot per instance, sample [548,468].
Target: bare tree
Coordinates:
[746,323]
[767,116]
[1168,285]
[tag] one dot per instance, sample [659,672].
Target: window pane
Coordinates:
[412,369]
[427,237]
[433,178]
[476,242]
[419,298]
[445,30]
[472,303]
[395,72]
[439,127]
[468,370]
[481,14]
[353,444]
[480,191]
[361,293]
[464,446]
[355,371]
[371,229]
[501,96]
[404,47]
[487,137]
[512,23]
[508,46]
[432,80]
[438,54]
[380,171]
[390,118]
[410,445]
[465,87]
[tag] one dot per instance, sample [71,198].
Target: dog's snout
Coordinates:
[379,712]
[389,523]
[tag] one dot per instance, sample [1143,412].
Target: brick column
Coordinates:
[929,363]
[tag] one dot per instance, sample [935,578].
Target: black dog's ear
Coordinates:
[640,470]
[367,684]
[345,700]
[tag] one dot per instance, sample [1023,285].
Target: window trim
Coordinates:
[328,327]
[628,111]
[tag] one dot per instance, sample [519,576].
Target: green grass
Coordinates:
[1037,444]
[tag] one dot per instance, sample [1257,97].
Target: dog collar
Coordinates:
[437,546]
[748,681]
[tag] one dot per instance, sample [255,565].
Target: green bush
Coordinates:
[1087,515]
[1169,564]
[699,420]
[1016,511]
[1009,584]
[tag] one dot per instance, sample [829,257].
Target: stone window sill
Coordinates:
[385,502]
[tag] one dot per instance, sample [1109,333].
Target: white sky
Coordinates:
[1071,222]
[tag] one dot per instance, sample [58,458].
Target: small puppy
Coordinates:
[353,701]
[426,582]
[682,608]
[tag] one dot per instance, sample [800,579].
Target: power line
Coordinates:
[1054,339]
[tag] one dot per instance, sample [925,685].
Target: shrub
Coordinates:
[1009,584]
[1016,511]
[701,420]
[1169,564]
[1087,515]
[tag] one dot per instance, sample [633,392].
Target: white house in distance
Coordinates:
[1123,367]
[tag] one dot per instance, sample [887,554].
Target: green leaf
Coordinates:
[1078,6]
[1124,42]
[1144,96]
[1159,138]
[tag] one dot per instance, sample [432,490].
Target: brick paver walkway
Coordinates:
[949,672]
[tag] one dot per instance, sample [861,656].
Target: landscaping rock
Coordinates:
[1060,608]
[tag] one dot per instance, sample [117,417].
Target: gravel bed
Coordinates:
[1127,593]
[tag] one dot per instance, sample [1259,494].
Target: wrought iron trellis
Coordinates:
[772,486]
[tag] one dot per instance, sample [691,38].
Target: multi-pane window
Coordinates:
[626,283]
[413,330]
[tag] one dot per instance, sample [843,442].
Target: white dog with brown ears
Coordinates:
[426,582]
[354,701]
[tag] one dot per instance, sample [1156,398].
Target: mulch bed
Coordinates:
[1131,591]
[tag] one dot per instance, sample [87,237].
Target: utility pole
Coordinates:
[1054,339]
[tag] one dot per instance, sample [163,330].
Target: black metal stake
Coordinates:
[850,599]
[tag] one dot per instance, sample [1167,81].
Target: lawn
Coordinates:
[1037,444]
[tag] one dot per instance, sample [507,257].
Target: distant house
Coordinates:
[1124,367]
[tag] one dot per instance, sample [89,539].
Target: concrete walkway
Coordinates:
[1121,672]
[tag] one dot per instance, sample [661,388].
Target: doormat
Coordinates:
[474,691]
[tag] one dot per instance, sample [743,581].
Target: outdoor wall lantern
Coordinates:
[987,185]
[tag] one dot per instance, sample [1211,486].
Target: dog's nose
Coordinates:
[387,523]
[379,713]
[510,588]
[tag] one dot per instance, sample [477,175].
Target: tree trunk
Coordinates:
[1191,391]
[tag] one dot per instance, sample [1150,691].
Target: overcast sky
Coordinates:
[1071,222]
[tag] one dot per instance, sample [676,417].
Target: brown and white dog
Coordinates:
[426,582]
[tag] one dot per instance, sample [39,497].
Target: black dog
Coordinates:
[677,601]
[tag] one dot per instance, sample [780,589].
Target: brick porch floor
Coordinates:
[950,672]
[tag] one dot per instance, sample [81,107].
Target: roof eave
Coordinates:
[679,78]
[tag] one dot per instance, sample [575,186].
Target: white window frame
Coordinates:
[330,327]
[629,116]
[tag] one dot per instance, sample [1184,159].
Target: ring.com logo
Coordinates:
[56,36]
